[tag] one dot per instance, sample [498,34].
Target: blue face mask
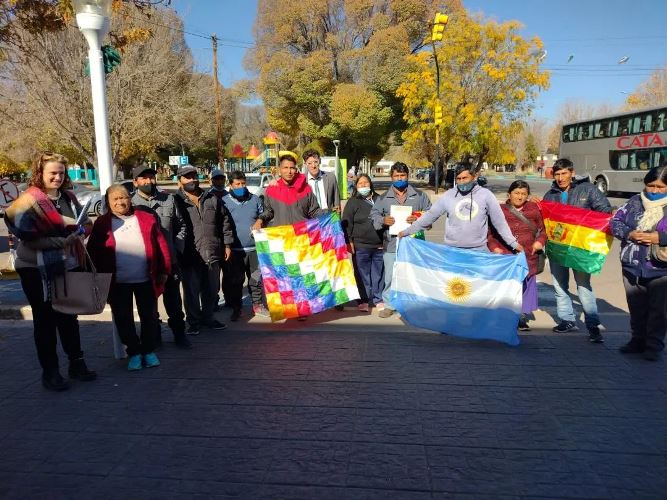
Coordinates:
[400,185]
[654,196]
[239,192]
[466,188]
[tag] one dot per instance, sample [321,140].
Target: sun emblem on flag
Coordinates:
[458,290]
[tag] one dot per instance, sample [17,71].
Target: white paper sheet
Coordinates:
[400,213]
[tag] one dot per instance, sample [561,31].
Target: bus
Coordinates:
[615,151]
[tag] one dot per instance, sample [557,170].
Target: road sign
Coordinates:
[8,193]
[174,160]
[183,160]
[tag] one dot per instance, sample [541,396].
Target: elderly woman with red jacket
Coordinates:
[130,244]
[525,221]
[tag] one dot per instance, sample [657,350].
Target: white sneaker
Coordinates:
[379,306]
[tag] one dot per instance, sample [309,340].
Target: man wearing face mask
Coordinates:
[403,194]
[208,234]
[218,181]
[244,209]
[164,206]
[469,207]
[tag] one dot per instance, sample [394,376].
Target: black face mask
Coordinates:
[147,188]
[191,187]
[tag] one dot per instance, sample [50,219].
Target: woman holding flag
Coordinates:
[525,221]
[641,225]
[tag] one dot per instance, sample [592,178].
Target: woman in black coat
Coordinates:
[365,242]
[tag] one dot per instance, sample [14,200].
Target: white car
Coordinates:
[257,183]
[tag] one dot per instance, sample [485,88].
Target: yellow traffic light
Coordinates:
[439,26]
[437,118]
[441,18]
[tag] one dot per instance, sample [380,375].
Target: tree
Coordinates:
[531,151]
[489,79]
[314,59]
[155,100]
[652,92]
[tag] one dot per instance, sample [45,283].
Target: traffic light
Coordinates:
[437,117]
[439,26]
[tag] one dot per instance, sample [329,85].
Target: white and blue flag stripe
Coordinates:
[459,292]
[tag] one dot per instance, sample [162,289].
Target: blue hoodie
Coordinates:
[468,218]
[244,213]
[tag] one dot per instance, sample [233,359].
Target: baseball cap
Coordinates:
[187,169]
[137,171]
[290,154]
[217,173]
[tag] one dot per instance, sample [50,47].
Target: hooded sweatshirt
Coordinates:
[289,203]
[468,218]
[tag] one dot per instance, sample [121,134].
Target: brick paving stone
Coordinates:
[337,412]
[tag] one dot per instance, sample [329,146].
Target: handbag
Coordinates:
[658,253]
[541,256]
[83,292]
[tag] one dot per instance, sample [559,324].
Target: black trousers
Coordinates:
[49,324]
[201,283]
[242,264]
[120,300]
[173,304]
[647,302]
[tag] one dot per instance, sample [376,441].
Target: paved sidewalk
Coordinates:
[338,408]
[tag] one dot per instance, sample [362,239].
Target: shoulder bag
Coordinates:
[658,253]
[82,292]
[541,256]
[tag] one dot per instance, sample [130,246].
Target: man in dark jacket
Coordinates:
[578,192]
[323,184]
[164,206]
[208,234]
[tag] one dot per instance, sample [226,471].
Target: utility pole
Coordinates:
[218,104]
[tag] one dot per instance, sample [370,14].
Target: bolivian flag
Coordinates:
[577,238]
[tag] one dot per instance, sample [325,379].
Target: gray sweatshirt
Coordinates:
[467,218]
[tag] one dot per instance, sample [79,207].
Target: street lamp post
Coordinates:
[92,17]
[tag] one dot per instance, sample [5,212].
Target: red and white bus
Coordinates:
[615,151]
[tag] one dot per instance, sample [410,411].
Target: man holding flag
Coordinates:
[576,192]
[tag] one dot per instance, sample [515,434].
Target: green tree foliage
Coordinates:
[330,69]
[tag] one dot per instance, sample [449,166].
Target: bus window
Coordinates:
[580,133]
[600,129]
[659,156]
[618,160]
[568,133]
[643,158]
[588,133]
[613,128]
[661,121]
[636,123]
[647,123]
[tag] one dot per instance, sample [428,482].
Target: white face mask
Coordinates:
[364,191]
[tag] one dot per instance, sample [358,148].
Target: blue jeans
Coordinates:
[564,308]
[389,259]
[370,265]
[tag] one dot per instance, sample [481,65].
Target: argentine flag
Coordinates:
[459,292]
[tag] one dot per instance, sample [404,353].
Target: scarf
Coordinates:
[653,213]
[32,216]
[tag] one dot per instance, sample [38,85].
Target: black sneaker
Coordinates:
[236,314]
[192,330]
[635,346]
[214,324]
[79,371]
[55,382]
[182,341]
[652,355]
[594,335]
[523,325]
[565,326]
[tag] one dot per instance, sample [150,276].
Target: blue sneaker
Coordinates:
[134,363]
[150,360]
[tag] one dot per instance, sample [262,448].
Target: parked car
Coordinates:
[83,194]
[257,183]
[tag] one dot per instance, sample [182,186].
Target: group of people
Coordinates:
[153,242]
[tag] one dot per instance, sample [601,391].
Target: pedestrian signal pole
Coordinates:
[436,36]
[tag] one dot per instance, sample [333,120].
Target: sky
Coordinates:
[597,33]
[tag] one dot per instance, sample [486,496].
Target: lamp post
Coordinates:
[92,17]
